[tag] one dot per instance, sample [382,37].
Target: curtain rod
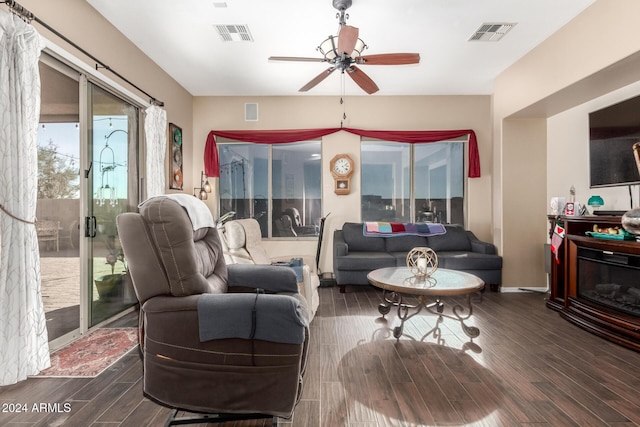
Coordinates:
[26,15]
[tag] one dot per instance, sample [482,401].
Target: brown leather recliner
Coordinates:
[230,342]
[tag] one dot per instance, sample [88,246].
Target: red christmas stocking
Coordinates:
[556,241]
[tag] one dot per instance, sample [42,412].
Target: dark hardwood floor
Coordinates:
[528,367]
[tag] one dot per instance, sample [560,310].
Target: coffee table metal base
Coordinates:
[406,311]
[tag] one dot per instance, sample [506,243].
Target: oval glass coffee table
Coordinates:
[399,282]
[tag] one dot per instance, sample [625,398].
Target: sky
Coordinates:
[66,137]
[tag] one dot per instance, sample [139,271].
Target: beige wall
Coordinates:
[79,22]
[524,222]
[366,112]
[568,138]
[593,55]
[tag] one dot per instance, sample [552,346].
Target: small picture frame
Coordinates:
[175,157]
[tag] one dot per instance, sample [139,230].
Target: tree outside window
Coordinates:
[57,174]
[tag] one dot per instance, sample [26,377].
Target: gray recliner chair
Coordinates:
[226,341]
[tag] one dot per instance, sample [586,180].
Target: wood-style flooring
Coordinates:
[528,367]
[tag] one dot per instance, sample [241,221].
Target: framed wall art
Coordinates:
[175,160]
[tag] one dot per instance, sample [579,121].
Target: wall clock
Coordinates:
[342,167]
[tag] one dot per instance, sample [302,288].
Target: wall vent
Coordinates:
[491,32]
[234,33]
[250,112]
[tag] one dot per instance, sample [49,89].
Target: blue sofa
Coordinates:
[355,255]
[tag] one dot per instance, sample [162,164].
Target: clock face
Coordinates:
[342,166]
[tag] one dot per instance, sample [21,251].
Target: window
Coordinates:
[279,185]
[413,182]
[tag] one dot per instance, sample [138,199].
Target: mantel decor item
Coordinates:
[557,205]
[422,262]
[175,161]
[631,219]
[595,202]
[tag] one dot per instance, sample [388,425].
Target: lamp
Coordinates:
[204,188]
[595,202]
[107,168]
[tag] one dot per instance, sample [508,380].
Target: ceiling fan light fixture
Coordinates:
[329,48]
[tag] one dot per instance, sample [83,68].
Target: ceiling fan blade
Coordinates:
[362,80]
[389,59]
[317,79]
[295,58]
[347,39]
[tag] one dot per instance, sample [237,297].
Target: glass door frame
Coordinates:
[69,71]
[95,231]
[87,74]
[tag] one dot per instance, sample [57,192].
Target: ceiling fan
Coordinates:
[344,51]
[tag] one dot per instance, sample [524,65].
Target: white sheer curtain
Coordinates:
[155,129]
[24,348]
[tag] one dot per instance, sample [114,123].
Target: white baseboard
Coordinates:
[510,289]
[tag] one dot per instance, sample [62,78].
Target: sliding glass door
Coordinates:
[88,145]
[112,188]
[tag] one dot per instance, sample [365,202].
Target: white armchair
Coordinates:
[241,244]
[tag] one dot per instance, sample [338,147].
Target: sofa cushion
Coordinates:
[234,235]
[404,243]
[353,237]
[364,260]
[400,257]
[460,260]
[455,239]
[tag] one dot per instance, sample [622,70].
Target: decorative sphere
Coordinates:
[422,261]
[631,221]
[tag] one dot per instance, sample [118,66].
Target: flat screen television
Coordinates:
[612,132]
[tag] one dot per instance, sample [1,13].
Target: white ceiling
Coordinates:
[180,36]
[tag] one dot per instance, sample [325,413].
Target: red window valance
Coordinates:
[212,164]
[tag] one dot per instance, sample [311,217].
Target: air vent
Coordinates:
[250,112]
[234,33]
[491,32]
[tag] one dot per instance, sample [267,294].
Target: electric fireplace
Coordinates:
[609,279]
[595,282]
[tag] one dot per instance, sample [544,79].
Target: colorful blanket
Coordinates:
[393,229]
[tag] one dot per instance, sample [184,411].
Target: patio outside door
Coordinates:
[112,184]
[58,207]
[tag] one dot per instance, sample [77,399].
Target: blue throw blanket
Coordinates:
[393,229]
[278,318]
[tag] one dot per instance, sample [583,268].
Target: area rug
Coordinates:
[91,355]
